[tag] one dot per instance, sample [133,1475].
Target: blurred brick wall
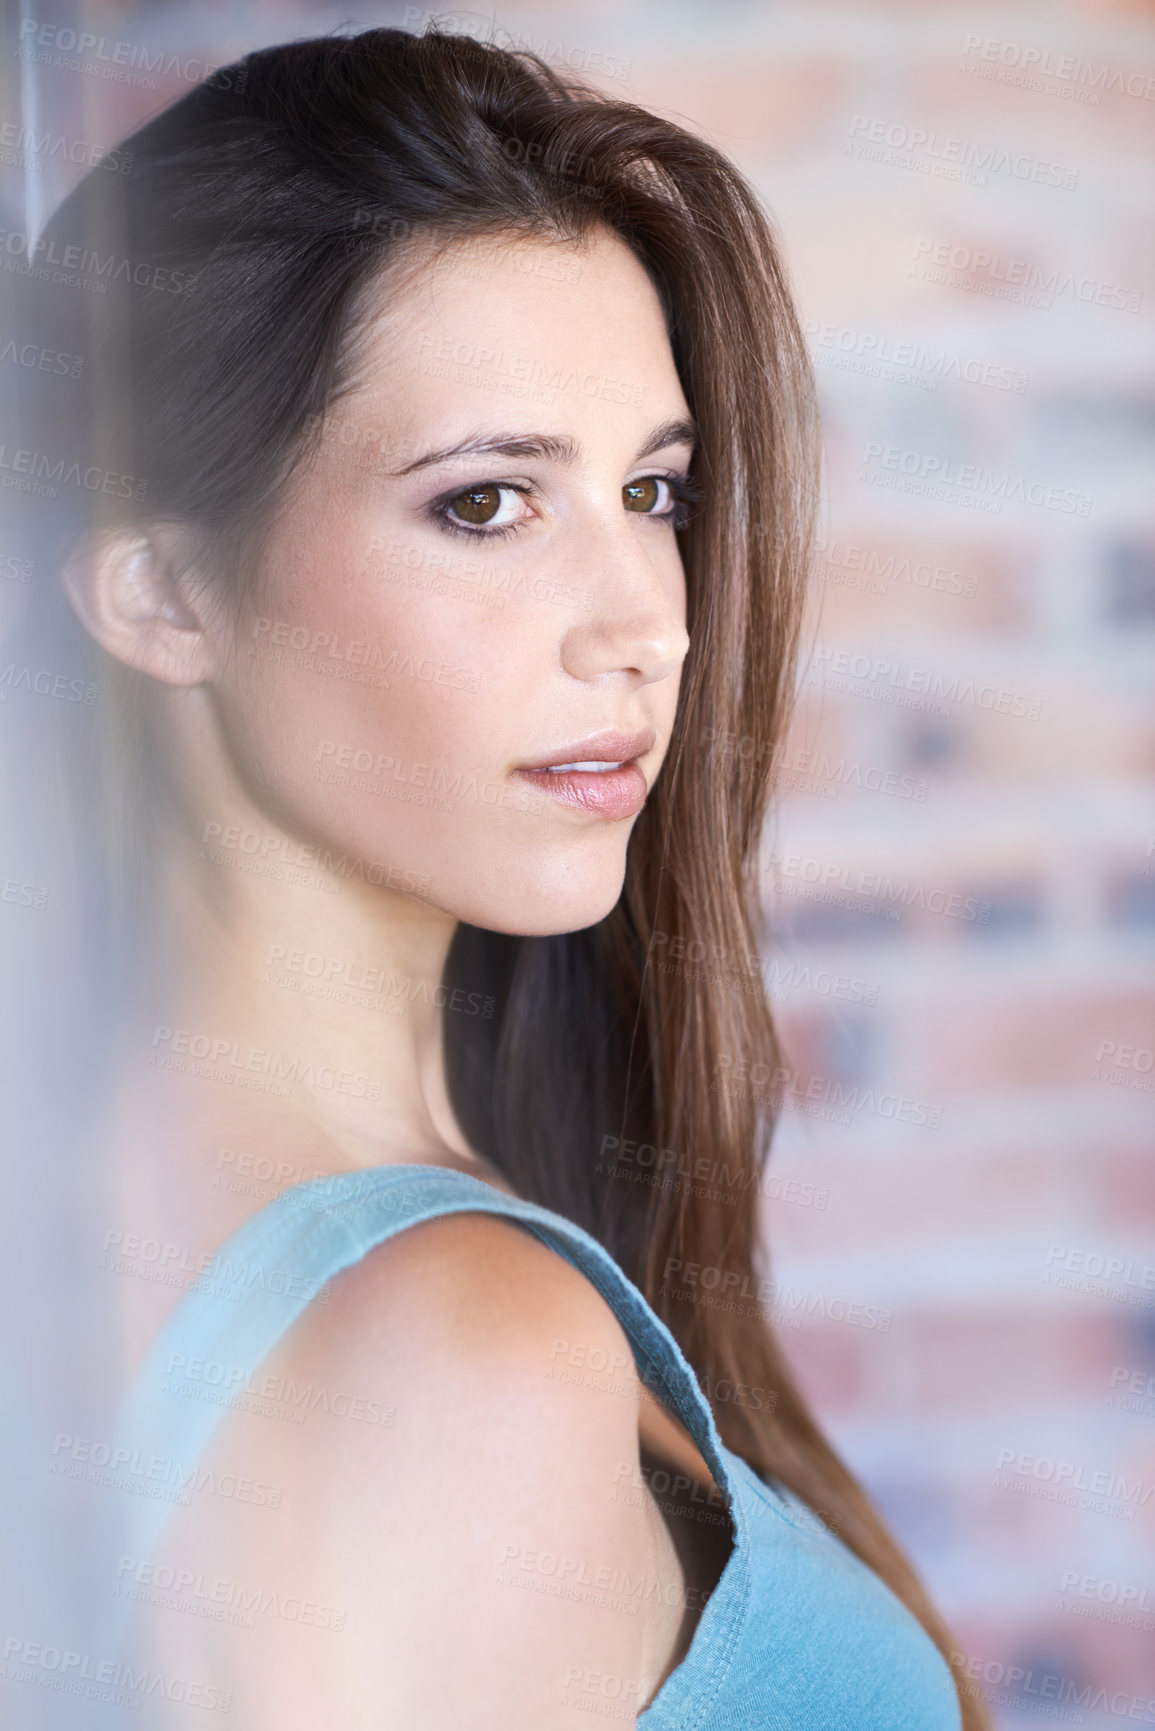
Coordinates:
[961,873]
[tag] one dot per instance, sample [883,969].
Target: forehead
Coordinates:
[472,329]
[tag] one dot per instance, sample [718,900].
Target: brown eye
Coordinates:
[641,495]
[477,504]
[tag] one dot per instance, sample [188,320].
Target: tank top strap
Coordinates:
[264,1276]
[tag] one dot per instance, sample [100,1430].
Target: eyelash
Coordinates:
[687,492]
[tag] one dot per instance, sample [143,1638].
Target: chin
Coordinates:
[546,904]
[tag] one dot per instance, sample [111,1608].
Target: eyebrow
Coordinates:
[553,447]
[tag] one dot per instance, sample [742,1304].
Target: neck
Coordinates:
[316,994]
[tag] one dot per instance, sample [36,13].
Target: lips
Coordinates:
[599,776]
[599,754]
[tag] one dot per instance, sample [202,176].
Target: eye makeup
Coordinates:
[451,511]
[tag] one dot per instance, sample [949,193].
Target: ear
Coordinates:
[131,590]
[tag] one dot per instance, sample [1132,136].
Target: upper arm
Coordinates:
[481,1546]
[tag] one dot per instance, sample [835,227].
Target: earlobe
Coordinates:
[129,589]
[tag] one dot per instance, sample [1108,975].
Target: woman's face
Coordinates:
[475,578]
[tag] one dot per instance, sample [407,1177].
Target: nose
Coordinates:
[634,620]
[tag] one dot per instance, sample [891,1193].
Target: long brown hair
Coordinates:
[272,194]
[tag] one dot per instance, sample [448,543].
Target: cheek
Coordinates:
[360,660]
[378,697]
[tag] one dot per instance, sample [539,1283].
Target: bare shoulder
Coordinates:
[482,1297]
[460,1495]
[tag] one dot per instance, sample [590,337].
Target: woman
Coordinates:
[454,462]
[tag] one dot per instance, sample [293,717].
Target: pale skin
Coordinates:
[419,1531]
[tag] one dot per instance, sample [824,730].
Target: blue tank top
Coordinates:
[797,1635]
